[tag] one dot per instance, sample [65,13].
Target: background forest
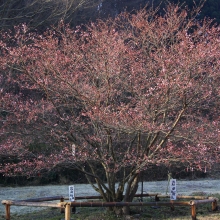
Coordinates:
[41,14]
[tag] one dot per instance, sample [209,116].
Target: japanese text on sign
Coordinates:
[71,193]
[173,189]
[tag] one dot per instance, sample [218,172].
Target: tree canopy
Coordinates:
[125,93]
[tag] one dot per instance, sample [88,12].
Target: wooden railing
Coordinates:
[66,206]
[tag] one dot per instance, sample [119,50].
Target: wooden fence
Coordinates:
[66,206]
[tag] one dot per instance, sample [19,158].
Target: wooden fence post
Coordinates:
[7,211]
[62,210]
[193,212]
[67,211]
[214,206]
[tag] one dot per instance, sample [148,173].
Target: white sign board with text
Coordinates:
[173,189]
[71,193]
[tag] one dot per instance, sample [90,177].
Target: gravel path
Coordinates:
[17,193]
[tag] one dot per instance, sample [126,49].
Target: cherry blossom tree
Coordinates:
[114,97]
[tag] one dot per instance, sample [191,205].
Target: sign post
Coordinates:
[173,189]
[72,197]
[71,194]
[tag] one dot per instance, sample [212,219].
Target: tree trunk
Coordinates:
[131,190]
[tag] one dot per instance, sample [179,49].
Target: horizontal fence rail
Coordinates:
[66,206]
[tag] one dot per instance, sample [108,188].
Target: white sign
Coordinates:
[73,150]
[71,193]
[173,189]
